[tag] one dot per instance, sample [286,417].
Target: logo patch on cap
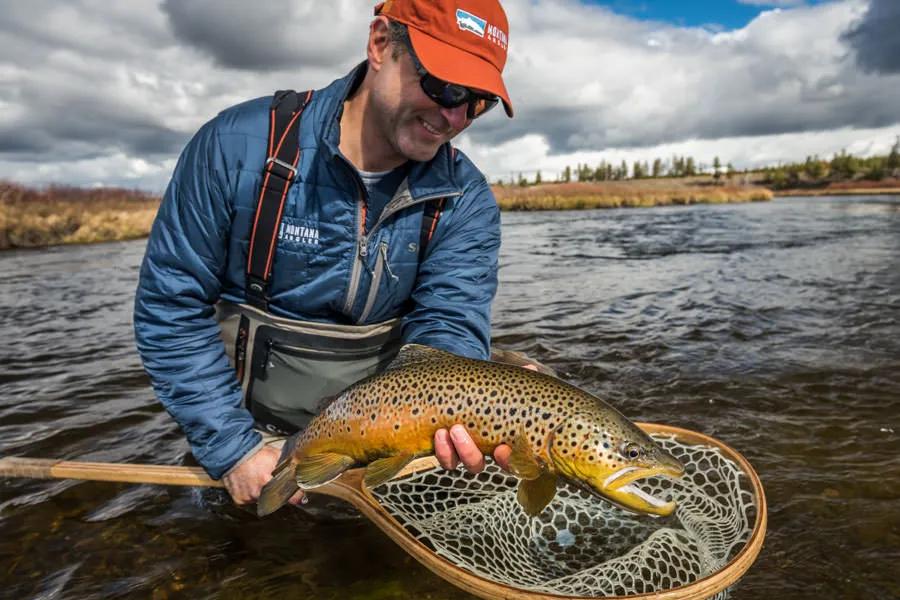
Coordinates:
[469,22]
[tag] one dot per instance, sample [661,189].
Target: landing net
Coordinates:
[581,545]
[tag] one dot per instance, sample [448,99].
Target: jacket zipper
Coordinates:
[361,250]
[400,201]
[380,266]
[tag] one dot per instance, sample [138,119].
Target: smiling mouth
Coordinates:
[430,128]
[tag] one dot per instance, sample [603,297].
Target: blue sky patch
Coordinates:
[725,14]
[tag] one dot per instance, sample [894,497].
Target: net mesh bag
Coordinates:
[580,545]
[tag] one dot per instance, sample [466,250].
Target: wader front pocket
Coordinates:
[287,367]
[288,383]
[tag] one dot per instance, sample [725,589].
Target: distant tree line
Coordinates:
[841,167]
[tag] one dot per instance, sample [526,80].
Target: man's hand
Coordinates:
[456,445]
[245,482]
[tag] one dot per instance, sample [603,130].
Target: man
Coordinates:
[348,269]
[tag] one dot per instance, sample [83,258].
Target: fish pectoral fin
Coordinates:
[522,462]
[383,469]
[535,494]
[318,469]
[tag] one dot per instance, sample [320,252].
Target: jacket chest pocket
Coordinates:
[391,284]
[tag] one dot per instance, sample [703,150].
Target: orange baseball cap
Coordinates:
[459,41]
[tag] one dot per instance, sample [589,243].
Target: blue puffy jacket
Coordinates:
[323,269]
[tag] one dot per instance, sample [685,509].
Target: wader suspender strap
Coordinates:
[279,172]
[430,218]
[433,210]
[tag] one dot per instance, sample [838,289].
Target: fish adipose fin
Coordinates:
[522,462]
[384,469]
[282,485]
[535,494]
[318,469]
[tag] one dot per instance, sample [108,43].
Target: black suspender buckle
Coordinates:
[284,170]
[257,292]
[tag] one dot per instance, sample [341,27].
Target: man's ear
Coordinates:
[378,48]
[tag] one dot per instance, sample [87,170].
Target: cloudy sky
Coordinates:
[95,92]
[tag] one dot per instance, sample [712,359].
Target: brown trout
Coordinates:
[554,428]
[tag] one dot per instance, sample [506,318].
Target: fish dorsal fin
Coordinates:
[522,462]
[411,354]
[535,494]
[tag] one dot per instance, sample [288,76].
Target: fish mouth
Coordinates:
[620,488]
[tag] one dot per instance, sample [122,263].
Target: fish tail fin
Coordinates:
[277,492]
[283,484]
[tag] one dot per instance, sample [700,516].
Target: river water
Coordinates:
[774,327]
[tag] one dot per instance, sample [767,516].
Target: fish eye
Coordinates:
[631,451]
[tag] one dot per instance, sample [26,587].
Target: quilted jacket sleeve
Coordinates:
[175,329]
[457,280]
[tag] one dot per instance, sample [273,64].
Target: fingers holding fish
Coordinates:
[501,456]
[469,454]
[444,450]
[245,481]
[299,498]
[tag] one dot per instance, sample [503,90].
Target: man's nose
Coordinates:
[456,116]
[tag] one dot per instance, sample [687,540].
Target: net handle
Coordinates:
[350,488]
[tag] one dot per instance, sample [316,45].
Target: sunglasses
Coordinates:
[451,95]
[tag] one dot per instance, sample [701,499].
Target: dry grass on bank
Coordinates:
[67,215]
[64,215]
[623,194]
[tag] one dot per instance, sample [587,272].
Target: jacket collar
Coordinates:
[431,178]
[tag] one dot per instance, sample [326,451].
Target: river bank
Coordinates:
[846,188]
[624,194]
[31,218]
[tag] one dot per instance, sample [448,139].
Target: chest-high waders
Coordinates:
[286,367]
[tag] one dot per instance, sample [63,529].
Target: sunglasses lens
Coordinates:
[480,105]
[445,94]
[450,95]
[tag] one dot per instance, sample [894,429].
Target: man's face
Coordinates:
[414,125]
